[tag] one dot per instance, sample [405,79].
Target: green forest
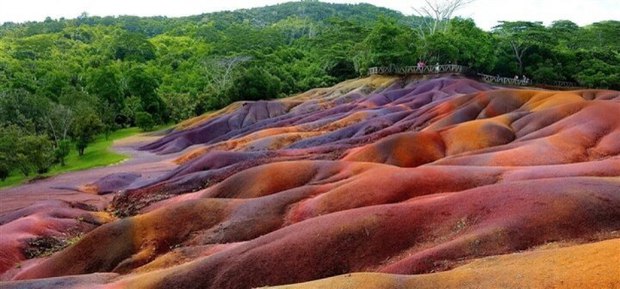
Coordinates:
[65,82]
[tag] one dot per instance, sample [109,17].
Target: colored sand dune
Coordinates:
[374,183]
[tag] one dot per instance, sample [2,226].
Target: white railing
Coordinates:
[504,80]
[521,81]
[405,70]
[454,68]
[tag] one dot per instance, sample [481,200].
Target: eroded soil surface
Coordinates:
[381,182]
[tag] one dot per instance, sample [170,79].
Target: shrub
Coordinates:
[38,153]
[62,151]
[145,121]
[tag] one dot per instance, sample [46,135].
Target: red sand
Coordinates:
[381,175]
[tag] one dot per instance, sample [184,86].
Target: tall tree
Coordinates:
[105,84]
[133,46]
[9,157]
[255,84]
[436,14]
[87,126]
[389,43]
[474,47]
[35,152]
[143,84]
[520,37]
[220,71]
[24,109]
[59,119]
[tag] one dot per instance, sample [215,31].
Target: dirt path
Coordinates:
[148,164]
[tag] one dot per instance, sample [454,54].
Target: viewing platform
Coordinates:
[467,71]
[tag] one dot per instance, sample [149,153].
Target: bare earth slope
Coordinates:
[409,183]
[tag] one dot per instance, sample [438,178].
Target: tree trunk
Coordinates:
[519,52]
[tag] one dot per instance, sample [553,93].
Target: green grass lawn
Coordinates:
[97,154]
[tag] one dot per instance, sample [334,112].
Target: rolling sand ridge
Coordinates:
[381,182]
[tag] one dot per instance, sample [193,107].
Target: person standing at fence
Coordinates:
[421,66]
[437,67]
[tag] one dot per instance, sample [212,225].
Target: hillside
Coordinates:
[426,181]
[64,83]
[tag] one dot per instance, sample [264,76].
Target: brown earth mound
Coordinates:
[377,176]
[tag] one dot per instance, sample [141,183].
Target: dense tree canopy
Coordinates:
[389,43]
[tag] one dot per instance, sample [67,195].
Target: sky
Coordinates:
[485,13]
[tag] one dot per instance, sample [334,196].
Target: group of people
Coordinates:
[422,65]
[523,79]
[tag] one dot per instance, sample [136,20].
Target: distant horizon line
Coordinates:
[88,14]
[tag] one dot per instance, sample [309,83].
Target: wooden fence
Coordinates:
[522,82]
[406,70]
[454,68]
[504,80]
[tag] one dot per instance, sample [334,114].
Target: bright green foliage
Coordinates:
[143,85]
[563,51]
[473,47]
[62,151]
[389,43]
[59,119]
[98,154]
[179,63]
[601,35]
[87,126]
[144,120]
[83,76]
[546,74]
[180,106]
[106,85]
[519,38]
[91,74]
[175,68]
[24,109]
[131,46]
[340,42]
[132,105]
[438,47]
[9,159]
[598,73]
[255,84]
[35,152]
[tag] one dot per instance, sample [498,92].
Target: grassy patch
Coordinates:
[97,154]
[13,180]
[46,246]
